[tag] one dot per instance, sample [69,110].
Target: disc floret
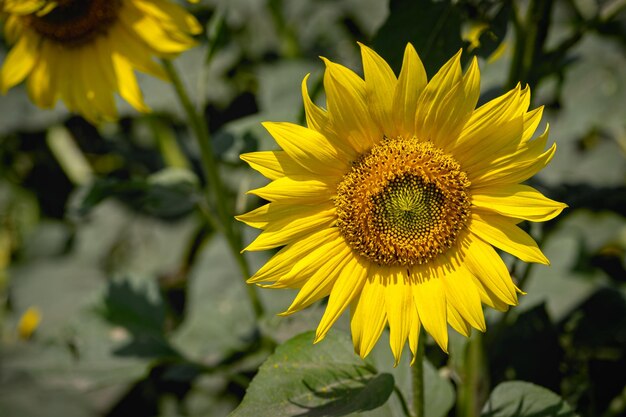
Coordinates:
[403,202]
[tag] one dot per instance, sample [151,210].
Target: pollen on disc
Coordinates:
[403,202]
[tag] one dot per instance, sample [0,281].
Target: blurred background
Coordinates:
[117,299]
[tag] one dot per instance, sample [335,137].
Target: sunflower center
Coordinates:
[75,22]
[403,202]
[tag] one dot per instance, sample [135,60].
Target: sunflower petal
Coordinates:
[290,228]
[414,332]
[153,32]
[348,285]
[368,315]
[282,263]
[43,79]
[464,297]
[485,264]
[290,190]
[429,106]
[347,107]
[379,82]
[518,201]
[20,61]
[456,108]
[398,303]
[514,169]
[457,322]
[328,274]
[505,235]
[273,164]
[309,148]
[430,299]
[410,85]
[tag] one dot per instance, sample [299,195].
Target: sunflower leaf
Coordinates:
[433,27]
[523,399]
[325,379]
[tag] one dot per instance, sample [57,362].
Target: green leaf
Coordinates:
[326,379]
[140,310]
[169,193]
[523,399]
[433,27]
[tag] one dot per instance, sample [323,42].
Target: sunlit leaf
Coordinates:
[326,379]
[523,399]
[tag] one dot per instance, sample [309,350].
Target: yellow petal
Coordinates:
[279,215]
[511,172]
[457,322]
[20,61]
[152,31]
[488,297]
[429,106]
[519,201]
[316,117]
[79,89]
[505,235]
[136,52]
[410,85]
[346,288]
[454,111]
[309,148]
[380,84]
[99,92]
[273,164]
[464,297]
[124,75]
[347,107]
[282,263]
[414,332]
[368,315]
[327,273]
[29,322]
[170,15]
[294,191]
[495,129]
[487,266]
[531,121]
[430,299]
[43,79]
[398,303]
[64,61]
[288,229]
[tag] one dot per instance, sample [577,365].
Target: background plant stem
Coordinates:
[469,399]
[417,373]
[214,190]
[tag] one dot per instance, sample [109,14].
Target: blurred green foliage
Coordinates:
[143,310]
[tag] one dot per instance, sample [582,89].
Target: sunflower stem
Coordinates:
[417,373]
[470,392]
[214,190]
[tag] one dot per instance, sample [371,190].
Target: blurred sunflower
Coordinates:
[391,199]
[84,51]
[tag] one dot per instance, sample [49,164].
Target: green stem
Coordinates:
[417,373]
[405,407]
[469,397]
[214,183]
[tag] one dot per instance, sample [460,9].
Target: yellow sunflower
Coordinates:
[390,201]
[84,51]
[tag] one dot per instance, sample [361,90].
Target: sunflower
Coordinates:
[391,200]
[84,51]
